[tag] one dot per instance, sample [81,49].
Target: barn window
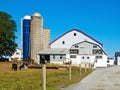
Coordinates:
[76,46]
[97,51]
[74,34]
[88,57]
[61,57]
[94,51]
[74,51]
[99,57]
[53,56]
[95,46]
[63,42]
[72,56]
[108,61]
[83,57]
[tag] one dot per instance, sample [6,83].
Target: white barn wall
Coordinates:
[97,63]
[86,60]
[79,59]
[57,59]
[70,39]
[101,62]
[110,61]
[74,60]
[118,60]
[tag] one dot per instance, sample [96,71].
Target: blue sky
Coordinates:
[98,18]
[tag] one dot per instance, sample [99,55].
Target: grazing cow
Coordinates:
[14,66]
[22,66]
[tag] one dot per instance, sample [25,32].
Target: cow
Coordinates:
[14,66]
[23,66]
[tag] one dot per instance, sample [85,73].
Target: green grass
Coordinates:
[31,79]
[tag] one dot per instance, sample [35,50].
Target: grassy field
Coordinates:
[30,79]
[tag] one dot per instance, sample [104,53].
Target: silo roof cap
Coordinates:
[37,14]
[27,17]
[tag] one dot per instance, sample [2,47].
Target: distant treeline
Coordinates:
[4,59]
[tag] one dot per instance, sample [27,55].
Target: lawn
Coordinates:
[31,79]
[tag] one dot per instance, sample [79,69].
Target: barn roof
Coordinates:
[80,32]
[53,51]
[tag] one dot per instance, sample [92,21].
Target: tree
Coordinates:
[7,35]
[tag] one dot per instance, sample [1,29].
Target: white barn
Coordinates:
[78,47]
[17,54]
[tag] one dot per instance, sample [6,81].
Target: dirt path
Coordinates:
[100,79]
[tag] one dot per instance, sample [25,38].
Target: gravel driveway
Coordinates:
[100,79]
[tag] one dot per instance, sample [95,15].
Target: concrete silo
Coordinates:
[36,35]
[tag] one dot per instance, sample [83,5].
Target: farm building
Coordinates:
[17,55]
[117,58]
[77,47]
[111,61]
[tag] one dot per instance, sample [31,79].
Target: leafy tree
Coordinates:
[7,35]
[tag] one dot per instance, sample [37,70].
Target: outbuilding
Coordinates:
[117,58]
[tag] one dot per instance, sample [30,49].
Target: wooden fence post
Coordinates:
[43,76]
[90,66]
[70,71]
[85,67]
[80,69]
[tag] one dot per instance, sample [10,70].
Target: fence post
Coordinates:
[43,76]
[80,69]
[85,67]
[70,71]
[90,66]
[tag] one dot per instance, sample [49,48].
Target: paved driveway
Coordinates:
[100,79]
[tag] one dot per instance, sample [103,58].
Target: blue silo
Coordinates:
[26,37]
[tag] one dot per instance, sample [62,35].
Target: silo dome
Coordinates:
[27,17]
[37,14]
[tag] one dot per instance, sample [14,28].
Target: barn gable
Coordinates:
[86,47]
[71,37]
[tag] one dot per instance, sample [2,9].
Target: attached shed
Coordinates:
[54,55]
